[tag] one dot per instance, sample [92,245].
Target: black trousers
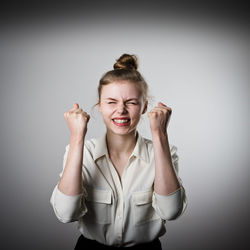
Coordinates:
[86,244]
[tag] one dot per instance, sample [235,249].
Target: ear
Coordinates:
[99,106]
[145,108]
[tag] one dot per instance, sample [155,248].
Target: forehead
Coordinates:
[121,89]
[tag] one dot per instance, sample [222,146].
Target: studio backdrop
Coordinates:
[195,59]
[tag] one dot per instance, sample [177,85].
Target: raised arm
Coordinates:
[166,180]
[169,197]
[71,180]
[67,198]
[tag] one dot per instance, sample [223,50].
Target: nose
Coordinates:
[122,109]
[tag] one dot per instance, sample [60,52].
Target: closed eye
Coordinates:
[134,103]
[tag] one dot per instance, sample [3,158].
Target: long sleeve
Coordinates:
[171,206]
[67,208]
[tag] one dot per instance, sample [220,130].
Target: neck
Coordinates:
[121,144]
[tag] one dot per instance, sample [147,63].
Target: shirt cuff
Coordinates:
[67,208]
[171,206]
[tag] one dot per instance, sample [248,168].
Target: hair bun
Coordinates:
[126,61]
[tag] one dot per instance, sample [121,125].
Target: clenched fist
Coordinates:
[159,118]
[77,121]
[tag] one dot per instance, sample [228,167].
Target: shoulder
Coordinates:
[147,141]
[94,147]
[149,144]
[90,144]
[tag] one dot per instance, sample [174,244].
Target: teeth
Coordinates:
[120,121]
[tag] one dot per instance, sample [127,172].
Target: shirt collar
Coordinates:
[100,147]
[139,151]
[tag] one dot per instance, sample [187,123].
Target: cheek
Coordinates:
[106,112]
[136,113]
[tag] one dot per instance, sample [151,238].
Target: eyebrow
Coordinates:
[131,99]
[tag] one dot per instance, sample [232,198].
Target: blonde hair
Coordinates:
[125,69]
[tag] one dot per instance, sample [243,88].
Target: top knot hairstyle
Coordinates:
[126,61]
[125,69]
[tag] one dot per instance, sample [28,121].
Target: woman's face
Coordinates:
[121,105]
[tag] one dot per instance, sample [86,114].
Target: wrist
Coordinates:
[76,139]
[159,133]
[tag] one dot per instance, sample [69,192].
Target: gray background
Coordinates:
[195,58]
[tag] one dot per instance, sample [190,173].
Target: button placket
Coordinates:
[119,208]
[119,218]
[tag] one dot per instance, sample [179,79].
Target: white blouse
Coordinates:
[119,212]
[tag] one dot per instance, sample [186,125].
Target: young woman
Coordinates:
[121,187]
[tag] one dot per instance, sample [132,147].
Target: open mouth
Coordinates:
[121,122]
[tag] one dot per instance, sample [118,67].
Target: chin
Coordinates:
[122,132]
